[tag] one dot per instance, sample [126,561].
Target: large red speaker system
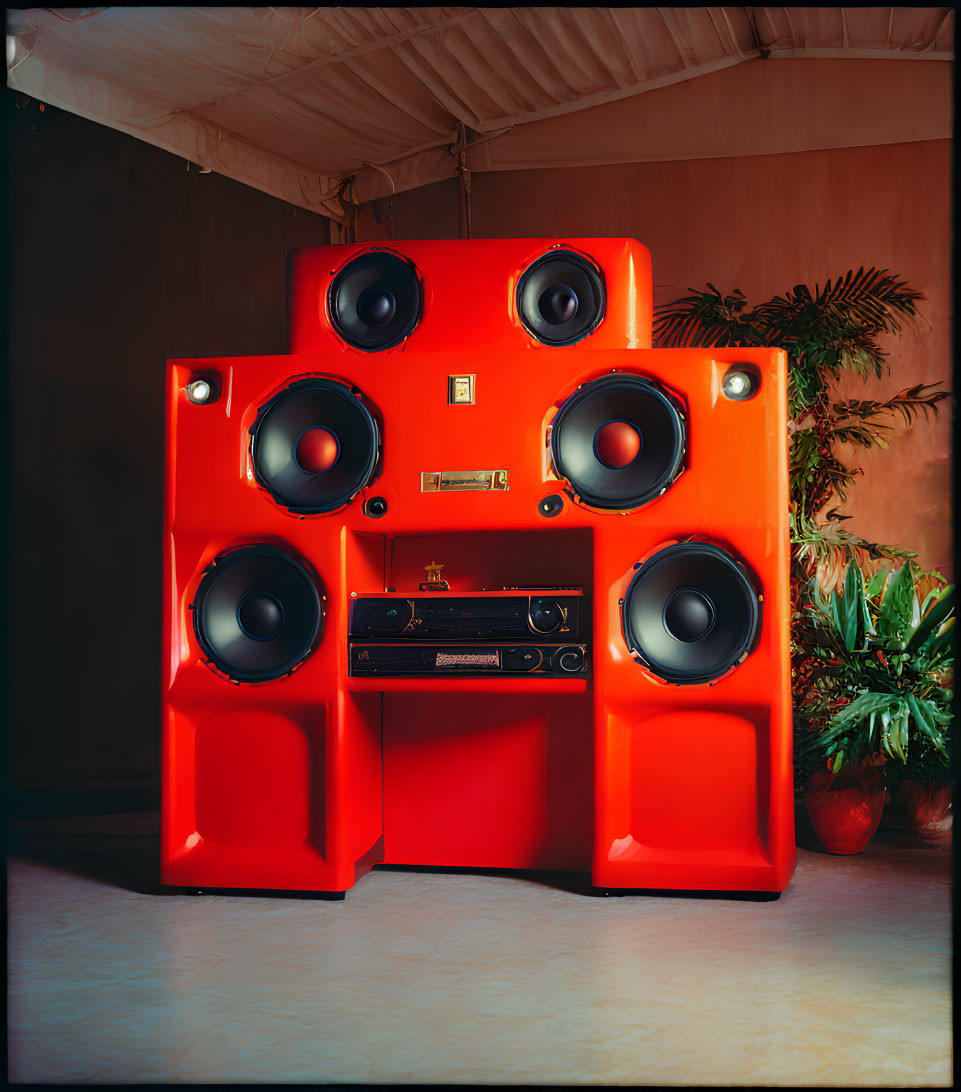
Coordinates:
[476,577]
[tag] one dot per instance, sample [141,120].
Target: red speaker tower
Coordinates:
[476,577]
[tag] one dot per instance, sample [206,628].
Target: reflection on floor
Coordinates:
[453,977]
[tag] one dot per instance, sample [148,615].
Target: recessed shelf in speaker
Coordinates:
[491,560]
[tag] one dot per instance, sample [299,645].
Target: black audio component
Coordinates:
[470,618]
[376,300]
[314,446]
[257,613]
[691,613]
[619,441]
[561,297]
[393,659]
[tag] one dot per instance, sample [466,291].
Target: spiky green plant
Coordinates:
[873,672]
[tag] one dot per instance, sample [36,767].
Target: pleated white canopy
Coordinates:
[295,100]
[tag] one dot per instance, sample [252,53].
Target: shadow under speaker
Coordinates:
[691,613]
[257,613]
[314,446]
[619,441]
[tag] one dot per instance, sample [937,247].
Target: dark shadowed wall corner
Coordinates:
[120,257]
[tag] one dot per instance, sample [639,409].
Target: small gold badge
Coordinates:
[433,581]
[442,481]
[460,390]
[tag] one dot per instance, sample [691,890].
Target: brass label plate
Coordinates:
[460,390]
[442,481]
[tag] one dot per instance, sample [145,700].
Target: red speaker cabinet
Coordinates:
[475,577]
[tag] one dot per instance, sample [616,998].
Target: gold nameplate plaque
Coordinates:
[442,481]
[460,390]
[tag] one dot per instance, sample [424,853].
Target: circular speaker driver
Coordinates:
[257,614]
[691,612]
[561,298]
[375,301]
[619,441]
[314,446]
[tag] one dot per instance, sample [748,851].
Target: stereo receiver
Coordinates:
[489,616]
[391,660]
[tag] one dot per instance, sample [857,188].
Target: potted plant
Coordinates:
[873,668]
[924,794]
[852,710]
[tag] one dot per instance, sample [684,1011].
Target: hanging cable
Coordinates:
[390,200]
[459,152]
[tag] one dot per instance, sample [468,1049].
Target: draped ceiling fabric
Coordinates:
[293,101]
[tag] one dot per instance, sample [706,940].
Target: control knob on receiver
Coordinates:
[546,615]
[523,659]
[392,616]
[570,659]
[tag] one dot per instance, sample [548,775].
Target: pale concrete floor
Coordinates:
[487,979]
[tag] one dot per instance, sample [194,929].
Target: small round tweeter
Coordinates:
[691,613]
[551,506]
[561,297]
[376,300]
[619,441]
[257,613]
[314,446]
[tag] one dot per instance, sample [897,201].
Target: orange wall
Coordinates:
[764,224]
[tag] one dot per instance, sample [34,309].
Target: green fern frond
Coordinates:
[909,403]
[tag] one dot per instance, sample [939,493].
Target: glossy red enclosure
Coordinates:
[640,771]
[470,292]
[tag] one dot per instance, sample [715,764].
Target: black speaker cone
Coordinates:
[375,301]
[561,298]
[260,615]
[376,306]
[619,441]
[558,304]
[257,613]
[314,446]
[691,613]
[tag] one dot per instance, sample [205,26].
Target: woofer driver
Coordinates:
[561,298]
[376,300]
[691,613]
[619,441]
[314,446]
[257,613]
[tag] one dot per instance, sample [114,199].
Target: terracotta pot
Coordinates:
[927,807]
[846,808]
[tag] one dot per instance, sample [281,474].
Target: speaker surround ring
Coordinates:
[561,297]
[283,608]
[691,613]
[375,300]
[621,399]
[287,418]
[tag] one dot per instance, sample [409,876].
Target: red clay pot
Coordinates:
[927,808]
[846,807]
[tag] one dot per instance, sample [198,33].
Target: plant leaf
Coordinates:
[923,723]
[933,619]
[896,604]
